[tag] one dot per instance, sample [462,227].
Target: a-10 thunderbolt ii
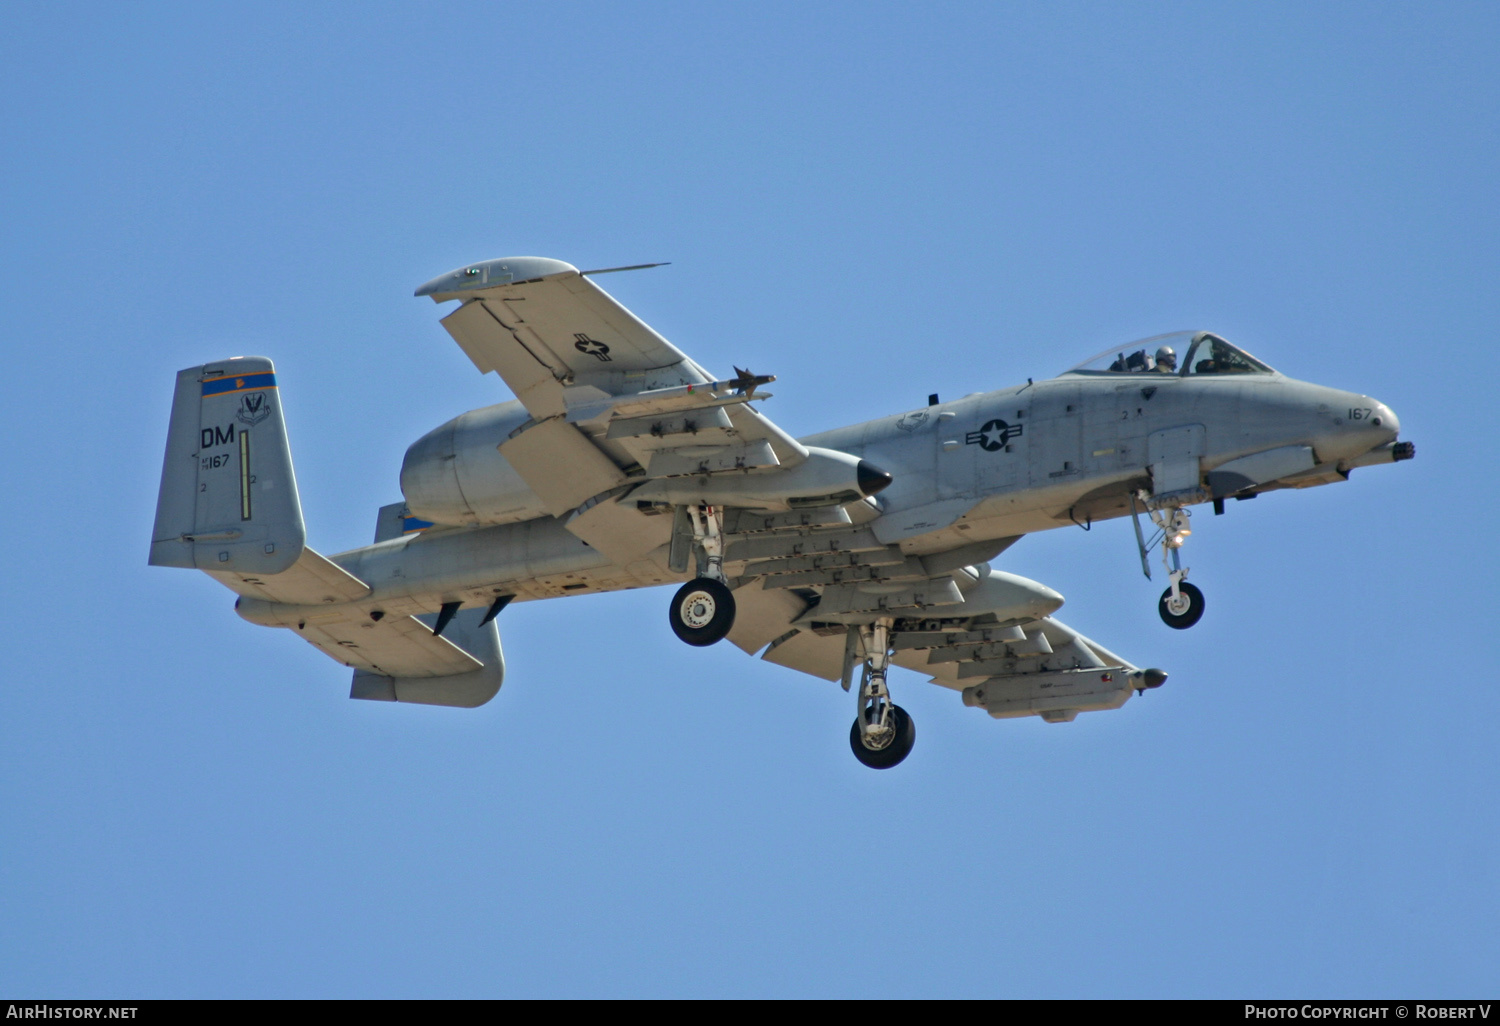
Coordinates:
[622,463]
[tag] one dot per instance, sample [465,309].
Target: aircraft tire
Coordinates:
[892,754]
[1194,612]
[702,611]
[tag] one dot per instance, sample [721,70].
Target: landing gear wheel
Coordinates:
[702,611]
[899,748]
[1183,613]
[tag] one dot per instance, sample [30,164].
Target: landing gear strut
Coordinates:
[1181,604]
[702,611]
[882,734]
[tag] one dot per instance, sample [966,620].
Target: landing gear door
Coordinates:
[1175,457]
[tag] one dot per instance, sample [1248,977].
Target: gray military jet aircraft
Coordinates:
[622,464]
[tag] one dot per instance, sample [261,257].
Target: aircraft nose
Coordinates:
[1385,418]
[1356,424]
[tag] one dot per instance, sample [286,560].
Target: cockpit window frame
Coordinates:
[1191,343]
[1192,363]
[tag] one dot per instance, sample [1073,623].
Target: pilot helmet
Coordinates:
[1166,357]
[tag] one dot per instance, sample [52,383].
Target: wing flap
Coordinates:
[621,531]
[819,655]
[560,464]
[762,616]
[531,370]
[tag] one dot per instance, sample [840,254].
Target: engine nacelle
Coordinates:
[455,474]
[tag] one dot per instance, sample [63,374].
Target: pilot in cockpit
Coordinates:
[1138,363]
[1201,353]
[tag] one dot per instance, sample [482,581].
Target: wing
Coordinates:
[613,404]
[1004,671]
[801,589]
[568,348]
[540,324]
[1049,670]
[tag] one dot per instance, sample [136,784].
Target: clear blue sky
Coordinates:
[873,202]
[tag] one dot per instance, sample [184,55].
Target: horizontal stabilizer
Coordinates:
[398,646]
[313,580]
[465,667]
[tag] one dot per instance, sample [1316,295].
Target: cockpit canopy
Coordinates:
[1184,353]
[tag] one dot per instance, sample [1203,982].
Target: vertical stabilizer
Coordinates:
[396,521]
[228,497]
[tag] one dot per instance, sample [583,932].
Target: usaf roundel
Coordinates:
[591,347]
[994,435]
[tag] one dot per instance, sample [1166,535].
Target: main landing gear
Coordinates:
[882,734]
[702,611]
[1181,604]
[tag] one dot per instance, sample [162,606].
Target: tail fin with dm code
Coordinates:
[228,506]
[228,499]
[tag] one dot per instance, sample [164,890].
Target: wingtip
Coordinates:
[489,274]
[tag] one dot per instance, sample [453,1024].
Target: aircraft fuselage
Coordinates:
[993,465]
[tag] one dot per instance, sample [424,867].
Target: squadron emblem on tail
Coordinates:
[253,409]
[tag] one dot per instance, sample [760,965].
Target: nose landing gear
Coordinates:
[1183,609]
[882,733]
[1181,604]
[702,611]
